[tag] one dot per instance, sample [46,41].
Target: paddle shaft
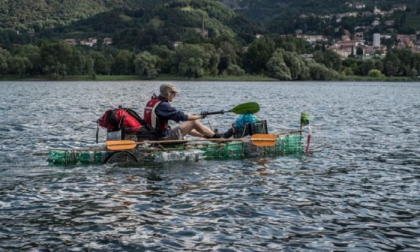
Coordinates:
[216,112]
[131,143]
[244,108]
[180,141]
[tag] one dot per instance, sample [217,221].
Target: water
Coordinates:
[357,191]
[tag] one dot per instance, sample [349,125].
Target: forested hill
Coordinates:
[34,15]
[279,16]
[179,20]
[267,9]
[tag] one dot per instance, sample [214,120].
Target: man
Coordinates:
[159,111]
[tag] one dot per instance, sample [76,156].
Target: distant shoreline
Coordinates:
[244,78]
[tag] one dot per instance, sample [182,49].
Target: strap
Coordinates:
[97,131]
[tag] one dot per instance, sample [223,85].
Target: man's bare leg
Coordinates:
[195,128]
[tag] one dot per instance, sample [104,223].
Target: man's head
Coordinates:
[168,90]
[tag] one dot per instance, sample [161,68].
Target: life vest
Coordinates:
[150,117]
[115,119]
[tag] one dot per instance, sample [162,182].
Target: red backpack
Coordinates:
[115,119]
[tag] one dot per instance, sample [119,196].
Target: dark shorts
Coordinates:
[176,134]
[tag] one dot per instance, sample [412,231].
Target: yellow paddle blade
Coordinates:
[120,145]
[264,140]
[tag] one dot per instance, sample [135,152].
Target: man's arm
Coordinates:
[194,117]
[165,110]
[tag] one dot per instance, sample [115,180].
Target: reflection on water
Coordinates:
[358,191]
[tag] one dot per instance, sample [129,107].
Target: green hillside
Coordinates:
[280,16]
[162,25]
[34,15]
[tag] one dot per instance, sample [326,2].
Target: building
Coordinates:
[375,23]
[400,7]
[376,40]
[72,42]
[360,6]
[356,5]
[177,43]
[347,48]
[370,51]
[90,42]
[358,34]
[312,38]
[389,23]
[107,41]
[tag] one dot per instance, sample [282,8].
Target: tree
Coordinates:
[320,72]
[259,53]
[277,68]
[367,65]
[391,63]
[329,58]
[194,61]
[3,61]
[60,55]
[101,63]
[146,65]
[235,70]
[375,73]
[228,56]
[212,59]
[18,65]
[33,54]
[297,65]
[164,54]
[413,73]
[123,63]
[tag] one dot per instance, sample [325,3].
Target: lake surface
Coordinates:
[358,190]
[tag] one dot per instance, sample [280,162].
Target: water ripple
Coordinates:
[358,190]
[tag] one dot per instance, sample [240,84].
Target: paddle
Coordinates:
[120,145]
[260,140]
[241,109]
[264,140]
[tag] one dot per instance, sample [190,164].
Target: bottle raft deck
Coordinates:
[190,151]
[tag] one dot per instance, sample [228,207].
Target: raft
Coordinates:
[186,151]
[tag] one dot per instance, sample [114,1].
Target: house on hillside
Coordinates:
[177,43]
[312,39]
[389,23]
[358,34]
[407,41]
[359,6]
[399,7]
[72,42]
[89,42]
[367,14]
[107,41]
[346,48]
[376,23]
[371,51]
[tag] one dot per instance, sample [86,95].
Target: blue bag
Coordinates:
[242,120]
